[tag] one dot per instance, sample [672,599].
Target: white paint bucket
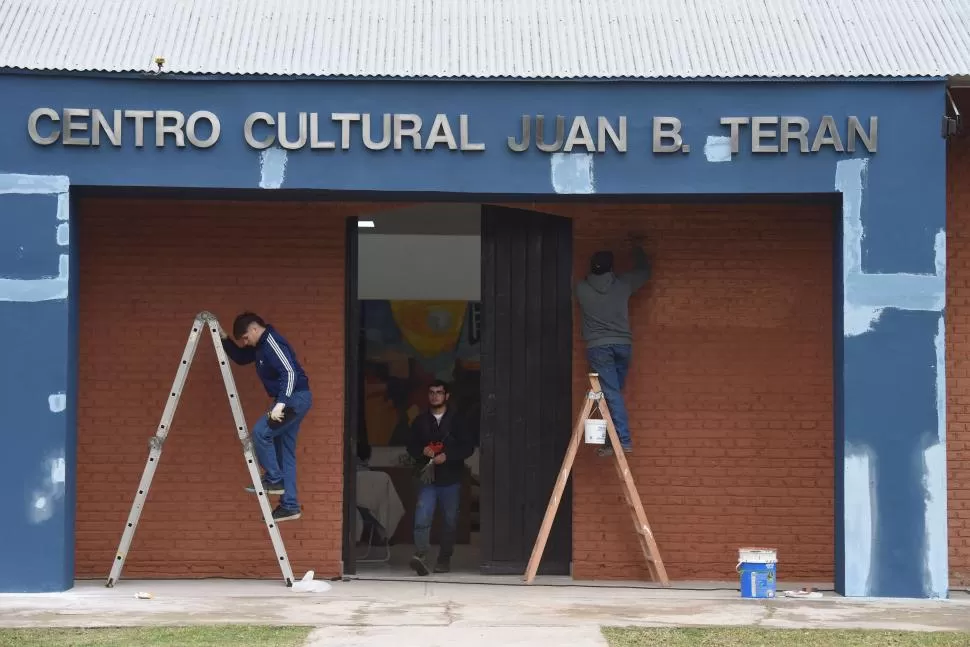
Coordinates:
[595,431]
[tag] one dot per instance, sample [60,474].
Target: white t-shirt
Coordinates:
[438,417]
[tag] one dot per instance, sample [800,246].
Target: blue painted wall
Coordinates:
[891,528]
[36,398]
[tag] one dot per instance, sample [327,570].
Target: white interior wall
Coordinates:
[419,266]
[420,252]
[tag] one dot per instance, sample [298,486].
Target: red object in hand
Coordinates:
[436,447]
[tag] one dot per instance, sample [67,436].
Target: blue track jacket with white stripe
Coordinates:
[276,364]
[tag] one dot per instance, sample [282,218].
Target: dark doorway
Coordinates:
[417,274]
[521,326]
[526,385]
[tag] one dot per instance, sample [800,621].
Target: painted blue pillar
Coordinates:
[891,509]
[37,398]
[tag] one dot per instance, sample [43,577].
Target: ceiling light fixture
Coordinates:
[365,224]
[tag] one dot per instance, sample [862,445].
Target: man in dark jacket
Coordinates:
[274,434]
[604,301]
[439,437]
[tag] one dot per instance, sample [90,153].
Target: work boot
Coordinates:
[268,486]
[417,563]
[286,514]
[443,565]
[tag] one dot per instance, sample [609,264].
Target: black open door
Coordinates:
[352,396]
[526,386]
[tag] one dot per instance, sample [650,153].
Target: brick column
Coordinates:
[891,509]
[37,395]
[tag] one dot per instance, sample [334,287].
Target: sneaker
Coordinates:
[417,563]
[268,486]
[608,451]
[285,514]
[443,566]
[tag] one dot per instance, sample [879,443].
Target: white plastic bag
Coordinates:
[307,585]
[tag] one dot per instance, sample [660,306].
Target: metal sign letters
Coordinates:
[397,131]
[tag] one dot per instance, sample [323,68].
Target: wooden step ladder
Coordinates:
[594,398]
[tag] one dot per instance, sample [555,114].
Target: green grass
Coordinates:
[202,636]
[756,637]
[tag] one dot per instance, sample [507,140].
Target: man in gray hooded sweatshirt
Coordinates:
[603,298]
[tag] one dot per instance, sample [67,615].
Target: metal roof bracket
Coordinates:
[951,125]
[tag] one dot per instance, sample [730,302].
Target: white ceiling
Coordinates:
[443,219]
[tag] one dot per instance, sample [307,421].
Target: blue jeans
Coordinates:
[612,362]
[428,495]
[276,448]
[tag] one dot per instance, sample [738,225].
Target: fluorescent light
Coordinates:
[369,224]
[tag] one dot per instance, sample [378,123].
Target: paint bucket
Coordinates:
[595,431]
[757,569]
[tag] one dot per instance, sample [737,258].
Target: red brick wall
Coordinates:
[146,269]
[730,392]
[958,350]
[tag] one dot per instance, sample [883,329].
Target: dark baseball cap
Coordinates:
[601,262]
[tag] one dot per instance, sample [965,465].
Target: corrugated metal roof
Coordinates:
[492,38]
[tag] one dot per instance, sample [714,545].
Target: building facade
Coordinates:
[795,383]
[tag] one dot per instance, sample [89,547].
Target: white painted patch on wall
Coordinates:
[859,319]
[49,288]
[860,522]
[849,180]
[42,501]
[572,173]
[63,206]
[58,471]
[272,168]
[940,343]
[934,480]
[870,292]
[38,184]
[40,509]
[939,249]
[717,148]
[57,402]
[936,561]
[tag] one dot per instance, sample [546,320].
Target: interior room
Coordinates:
[419,289]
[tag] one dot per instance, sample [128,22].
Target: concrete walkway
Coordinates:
[359,613]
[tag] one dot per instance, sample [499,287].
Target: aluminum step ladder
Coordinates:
[202,320]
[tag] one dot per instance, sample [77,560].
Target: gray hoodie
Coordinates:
[603,300]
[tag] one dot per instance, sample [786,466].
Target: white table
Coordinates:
[376,492]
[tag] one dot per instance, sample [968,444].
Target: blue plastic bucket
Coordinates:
[757,571]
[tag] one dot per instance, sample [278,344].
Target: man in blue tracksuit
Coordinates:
[274,434]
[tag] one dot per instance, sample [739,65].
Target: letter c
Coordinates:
[248,130]
[32,126]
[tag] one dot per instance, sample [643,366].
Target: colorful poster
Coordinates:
[406,346]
